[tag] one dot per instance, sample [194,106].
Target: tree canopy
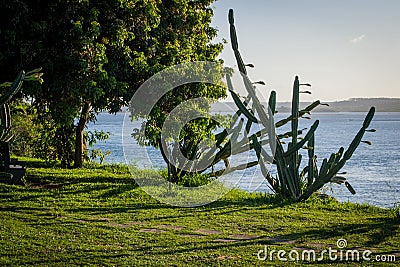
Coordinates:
[95,54]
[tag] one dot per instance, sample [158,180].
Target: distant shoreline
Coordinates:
[351,105]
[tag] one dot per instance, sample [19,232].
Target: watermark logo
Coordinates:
[341,243]
[331,254]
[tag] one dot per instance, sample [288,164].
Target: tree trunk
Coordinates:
[172,170]
[79,140]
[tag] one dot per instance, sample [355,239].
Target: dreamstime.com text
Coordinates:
[330,254]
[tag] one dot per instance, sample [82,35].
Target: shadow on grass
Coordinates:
[251,200]
[381,229]
[46,179]
[378,231]
[102,187]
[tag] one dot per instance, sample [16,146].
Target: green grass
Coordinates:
[98,216]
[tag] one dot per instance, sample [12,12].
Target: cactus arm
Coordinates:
[326,174]
[231,19]
[5,125]
[264,118]
[324,169]
[300,157]
[235,44]
[350,188]
[241,106]
[232,169]
[226,151]
[248,126]
[249,87]
[287,185]
[220,137]
[369,118]
[259,150]
[356,141]
[272,102]
[271,131]
[306,110]
[8,116]
[5,116]
[236,131]
[294,175]
[207,157]
[311,153]
[295,110]
[15,87]
[300,144]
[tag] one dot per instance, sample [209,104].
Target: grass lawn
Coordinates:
[98,216]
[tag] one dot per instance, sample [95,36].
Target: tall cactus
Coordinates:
[289,182]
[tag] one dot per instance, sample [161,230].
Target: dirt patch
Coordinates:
[104,219]
[120,225]
[279,240]
[151,230]
[222,240]
[224,257]
[192,236]
[396,254]
[243,236]
[300,249]
[124,225]
[135,223]
[82,221]
[49,186]
[169,226]
[208,232]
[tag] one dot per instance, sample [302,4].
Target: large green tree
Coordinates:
[184,34]
[95,54]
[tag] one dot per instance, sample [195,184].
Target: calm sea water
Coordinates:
[373,171]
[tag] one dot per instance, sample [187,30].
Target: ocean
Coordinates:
[373,171]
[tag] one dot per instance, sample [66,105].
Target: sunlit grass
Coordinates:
[99,216]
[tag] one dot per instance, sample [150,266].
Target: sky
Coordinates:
[344,48]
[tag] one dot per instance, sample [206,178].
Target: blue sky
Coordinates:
[345,48]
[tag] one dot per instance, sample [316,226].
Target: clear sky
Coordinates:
[344,48]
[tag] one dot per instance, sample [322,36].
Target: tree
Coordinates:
[95,54]
[184,34]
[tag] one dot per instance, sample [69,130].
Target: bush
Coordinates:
[37,137]
[31,139]
[190,179]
